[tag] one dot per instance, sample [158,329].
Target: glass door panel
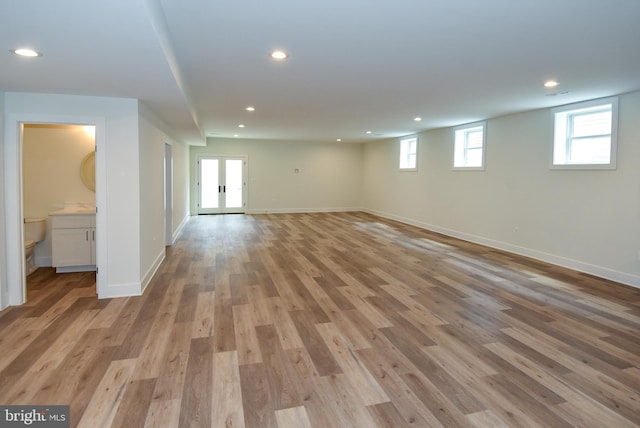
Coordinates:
[209,185]
[233,182]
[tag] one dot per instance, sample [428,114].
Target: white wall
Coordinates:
[119,209]
[51,159]
[329,178]
[181,185]
[153,136]
[4,297]
[586,220]
[152,243]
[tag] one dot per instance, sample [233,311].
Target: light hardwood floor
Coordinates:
[329,320]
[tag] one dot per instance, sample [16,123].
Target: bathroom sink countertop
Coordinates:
[73,211]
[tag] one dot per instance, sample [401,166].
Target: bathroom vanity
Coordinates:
[73,234]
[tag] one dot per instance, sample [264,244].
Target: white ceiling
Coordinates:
[354,65]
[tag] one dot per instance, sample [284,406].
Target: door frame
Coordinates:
[221,169]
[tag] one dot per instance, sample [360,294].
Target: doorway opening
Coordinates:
[222,185]
[58,192]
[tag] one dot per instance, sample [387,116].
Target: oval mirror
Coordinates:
[88,171]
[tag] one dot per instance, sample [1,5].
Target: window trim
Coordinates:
[469,126]
[614,135]
[401,140]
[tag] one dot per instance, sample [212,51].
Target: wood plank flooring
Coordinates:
[329,320]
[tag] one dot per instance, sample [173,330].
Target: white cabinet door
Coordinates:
[72,247]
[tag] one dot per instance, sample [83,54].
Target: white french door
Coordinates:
[222,184]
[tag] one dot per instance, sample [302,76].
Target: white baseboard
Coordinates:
[599,271]
[120,290]
[178,231]
[67,269]
[301,210]
[152,270]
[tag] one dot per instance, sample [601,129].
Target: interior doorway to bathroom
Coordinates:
[58,174]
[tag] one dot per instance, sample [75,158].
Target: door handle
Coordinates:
[86,232]
[219,189]
[224,189]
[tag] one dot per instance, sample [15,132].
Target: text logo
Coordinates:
[34,416]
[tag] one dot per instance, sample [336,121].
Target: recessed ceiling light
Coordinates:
[368,132]
[338,139]
[250,108]
[26,52]
[550,84]
[279,55]
[417,119]
[241,126]
[236,135]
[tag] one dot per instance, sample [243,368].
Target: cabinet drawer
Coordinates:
[72,221]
